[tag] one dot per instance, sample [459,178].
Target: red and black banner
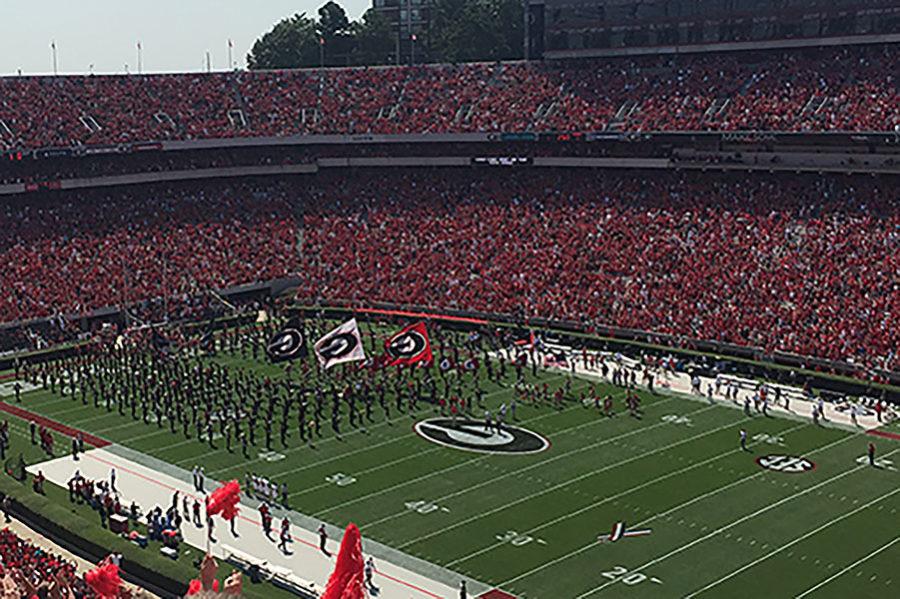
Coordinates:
[408,346]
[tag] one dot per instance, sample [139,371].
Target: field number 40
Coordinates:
[621,574]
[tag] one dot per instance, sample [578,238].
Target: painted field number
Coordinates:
[340,479]
[879,462]
[623,575]
[424,507]
[767,438]
[269,456]
[516,539]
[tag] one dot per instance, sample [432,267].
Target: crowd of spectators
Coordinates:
[801,264]
[148,248]
[30,571]
[828,89]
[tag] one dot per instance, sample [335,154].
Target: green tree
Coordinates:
[373,37]
[292,43]
[510,22]
[333,21]
[460,31]
[334,29]
[469,30]
[445,17]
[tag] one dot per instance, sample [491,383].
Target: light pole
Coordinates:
[526,42]
[53,51]
[409,30]
[140,58]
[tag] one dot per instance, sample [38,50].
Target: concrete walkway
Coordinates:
[149,487]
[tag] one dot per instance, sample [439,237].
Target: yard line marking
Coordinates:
[195,458]
[118,426]
[55,398]
[847,569]
[404,436]
[153,434]
[368,470]
[334,439]
[536,465]
[79,408]
[735,523]
[803,537]
[573,480]
[81,421]
[667,513]
[454,467]
[318,444]
[623,493]
[367,448]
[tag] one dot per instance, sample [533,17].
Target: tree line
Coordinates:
[458,31]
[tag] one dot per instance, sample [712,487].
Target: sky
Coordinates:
[174,34]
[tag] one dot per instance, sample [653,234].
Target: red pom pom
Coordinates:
[104,580]
[194,587]
[346,581]
[215,585]
[224,500]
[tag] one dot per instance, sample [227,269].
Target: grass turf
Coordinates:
[721,525]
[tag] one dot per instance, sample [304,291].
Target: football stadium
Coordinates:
[437,299]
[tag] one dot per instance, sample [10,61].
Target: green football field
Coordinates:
[720,524]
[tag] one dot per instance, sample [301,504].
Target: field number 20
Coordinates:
[621,574]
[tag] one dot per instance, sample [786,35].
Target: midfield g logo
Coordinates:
[470,435]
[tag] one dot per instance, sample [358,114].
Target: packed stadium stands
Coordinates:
[29,571]
[76,253]
[832,89]
[801,264]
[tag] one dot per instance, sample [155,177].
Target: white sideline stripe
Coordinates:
[577,478]
[354,452]
[404,436]
[643,485]
[527,468]
[671,510]
[847,569]
[803,537]
[735,523]
[451,468]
